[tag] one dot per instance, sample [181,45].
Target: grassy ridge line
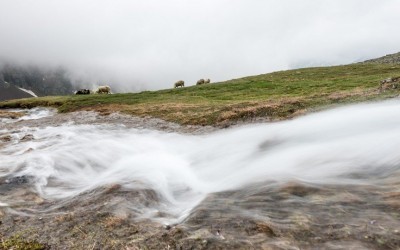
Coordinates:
[278,95]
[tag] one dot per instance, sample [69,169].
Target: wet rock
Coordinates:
[390,80]
[392,199]
[27,137]
[389,83]
[297,189]
[301,221]
[264,228]
[6,138]
[269,144]
[18,180]
[113,222]
[91,117]
[11,115]
[28,150]
[112,188]
[345,197]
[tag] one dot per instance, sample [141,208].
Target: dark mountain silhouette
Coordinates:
[40,81]
[9,91]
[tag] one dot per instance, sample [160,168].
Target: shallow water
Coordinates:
[29,114]
[308,171]
[351,145]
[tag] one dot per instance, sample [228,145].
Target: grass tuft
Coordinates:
[17,242]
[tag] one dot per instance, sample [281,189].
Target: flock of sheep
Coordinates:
[199,82]
[385,84]
[99,90]
[107,89]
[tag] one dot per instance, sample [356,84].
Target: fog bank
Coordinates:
[146,45]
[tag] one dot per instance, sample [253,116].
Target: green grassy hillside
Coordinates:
[278,95]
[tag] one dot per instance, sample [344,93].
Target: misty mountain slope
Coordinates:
[41,82]
[9,92]
[274,96]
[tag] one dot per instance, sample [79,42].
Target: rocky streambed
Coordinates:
[85,181]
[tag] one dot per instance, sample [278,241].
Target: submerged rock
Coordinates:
[27,137]
[18,180]
[6,138]
[11,115]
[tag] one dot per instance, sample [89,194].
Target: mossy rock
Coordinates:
[16,242]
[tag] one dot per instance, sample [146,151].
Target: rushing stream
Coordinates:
[354,146]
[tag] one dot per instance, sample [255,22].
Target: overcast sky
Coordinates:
[149,44]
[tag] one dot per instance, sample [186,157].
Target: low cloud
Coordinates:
[146,45]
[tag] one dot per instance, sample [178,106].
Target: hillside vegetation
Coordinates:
[273,96]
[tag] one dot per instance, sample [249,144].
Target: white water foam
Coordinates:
[328,147]
[37,113]
[30,114]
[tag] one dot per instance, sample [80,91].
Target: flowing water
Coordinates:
[348,155]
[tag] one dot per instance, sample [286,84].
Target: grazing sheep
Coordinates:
[200,82]
[207,81]
[82,92]
[179,84]
[103,90]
